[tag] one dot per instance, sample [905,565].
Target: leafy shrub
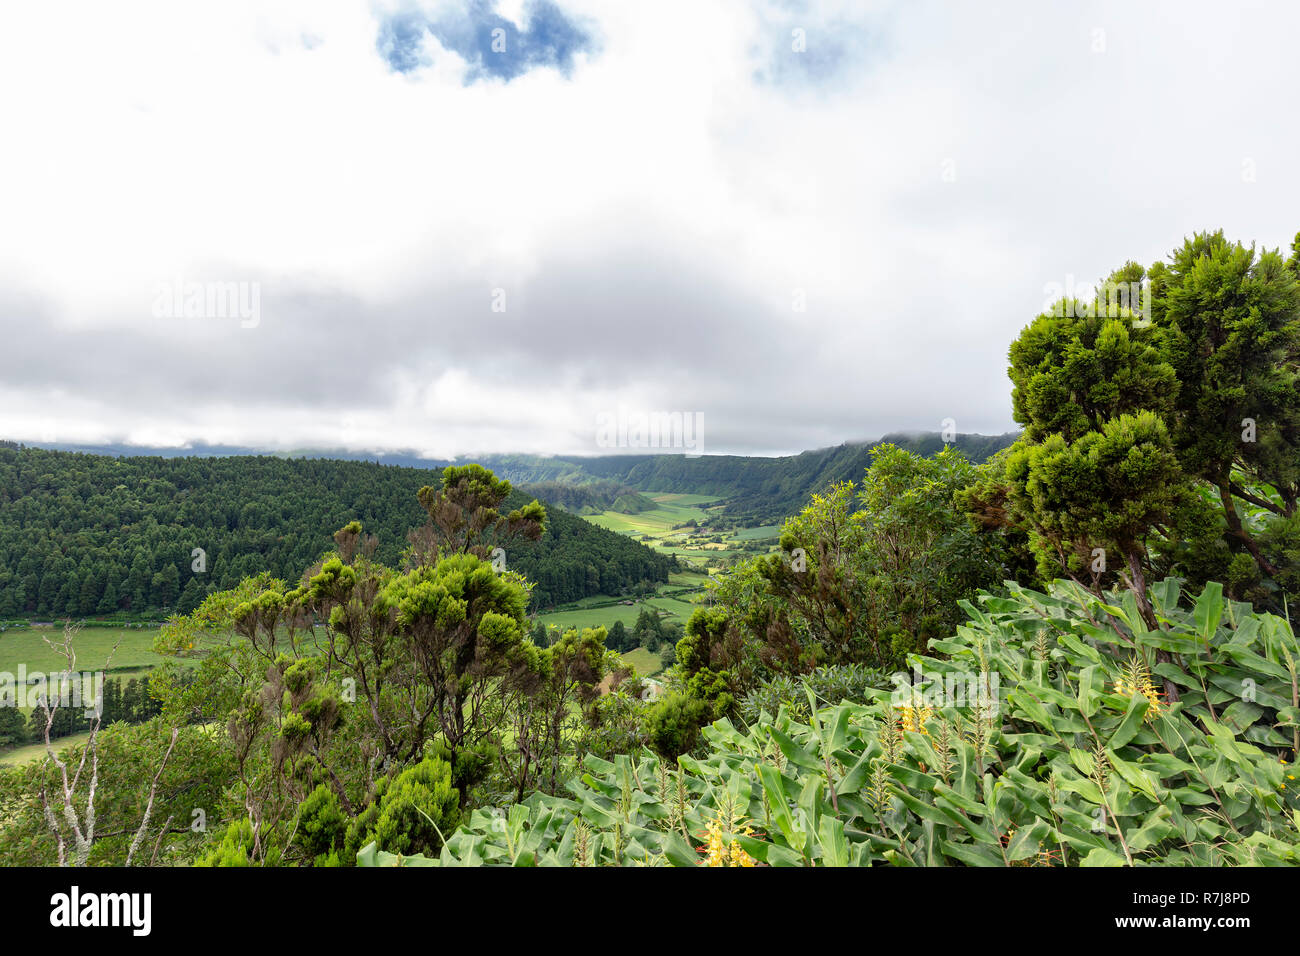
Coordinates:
[830,685]
[1074,758]
[322,824]
[673,724]
[410,812]
[236,848]
[194,779]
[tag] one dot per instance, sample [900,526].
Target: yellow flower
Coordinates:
[716,850]
[1136,680]
[914,718]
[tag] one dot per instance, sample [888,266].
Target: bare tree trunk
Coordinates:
[148,809]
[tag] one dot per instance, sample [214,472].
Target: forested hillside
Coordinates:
[757,490]
[591,497]
[90,534]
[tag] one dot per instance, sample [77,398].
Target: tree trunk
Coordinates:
[1237,531]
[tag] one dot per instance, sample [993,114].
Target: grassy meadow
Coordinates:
[646,664]
[662,529]
[94,647]
[20,755]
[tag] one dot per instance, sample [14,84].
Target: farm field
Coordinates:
[93,646]
[662,529]
[671,602]
[28,752]
[671,510]
[646,663]
[697,547]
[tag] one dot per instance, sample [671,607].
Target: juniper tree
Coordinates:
[1095,472]
[1230,318]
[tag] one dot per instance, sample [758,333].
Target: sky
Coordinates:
[491,226]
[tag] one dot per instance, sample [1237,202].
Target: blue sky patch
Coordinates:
[492,45]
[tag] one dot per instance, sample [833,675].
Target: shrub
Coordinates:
[673,724]
[830,685]
[1074,757]
[322,824]
[410,812]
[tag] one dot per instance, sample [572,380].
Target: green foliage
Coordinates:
[190,789]
[464,516]
[867,573]
[1232,318]
[618,638]
[561,690]
[1172,443]
[462,625]
[1074,371]
[1072,760]
[410,812]
[710,662]
[831,684]
[237,848]
[322,825]
[1107,489]
[65,513]
[13,728]
[673,723]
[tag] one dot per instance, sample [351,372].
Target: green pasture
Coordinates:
[646,663]
[29,752]
[93,645]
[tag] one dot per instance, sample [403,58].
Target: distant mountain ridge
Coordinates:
[84,534]
[755,490]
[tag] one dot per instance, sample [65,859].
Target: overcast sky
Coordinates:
[649,190]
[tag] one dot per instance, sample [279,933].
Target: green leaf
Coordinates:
[835,848]
[1087,697]
[779,803]
[914,779]
[1132,722]
[798,755]
[1026,841]
[1103,857]
[1209,608]
[971,855]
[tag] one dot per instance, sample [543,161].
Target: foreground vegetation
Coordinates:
[1078,761]
[1075,653]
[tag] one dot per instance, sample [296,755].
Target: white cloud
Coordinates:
[650,216]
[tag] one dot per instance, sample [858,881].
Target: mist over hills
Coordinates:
[755,489]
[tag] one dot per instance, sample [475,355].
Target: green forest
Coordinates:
[756,491]
[91,535]
[1073,648]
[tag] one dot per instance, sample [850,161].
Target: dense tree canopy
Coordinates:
[83,535]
